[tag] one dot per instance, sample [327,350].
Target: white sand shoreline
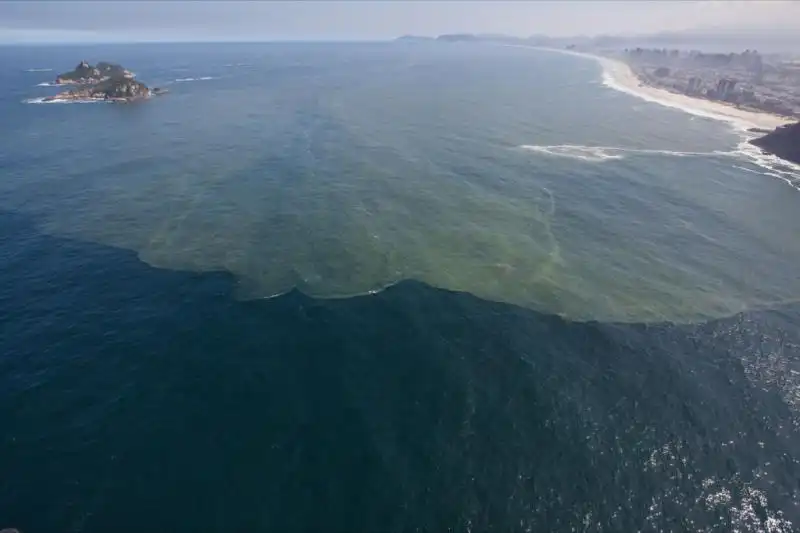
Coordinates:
[619,76]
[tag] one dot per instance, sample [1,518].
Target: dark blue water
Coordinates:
[144,384]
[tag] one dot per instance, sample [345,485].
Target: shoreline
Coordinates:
[616,71]
[66,97]
[618,75]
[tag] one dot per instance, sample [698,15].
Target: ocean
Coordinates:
[389,287]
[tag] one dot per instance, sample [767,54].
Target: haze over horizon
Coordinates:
[131,21]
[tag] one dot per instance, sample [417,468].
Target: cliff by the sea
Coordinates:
[783,142]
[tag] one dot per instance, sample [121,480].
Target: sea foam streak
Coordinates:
[39,70]
[43,100]
[599,154]
[772,164]
[204,78]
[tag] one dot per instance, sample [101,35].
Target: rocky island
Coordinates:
[85,73]
[104,81]
[783,142]
[411,39]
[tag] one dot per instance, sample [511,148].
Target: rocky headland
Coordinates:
[104,81]
[783,142]
[85,74]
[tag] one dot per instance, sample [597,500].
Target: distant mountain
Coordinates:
[458,37]
[499,38]
[711,40]
[479,37]
[415,38]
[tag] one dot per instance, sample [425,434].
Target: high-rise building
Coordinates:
[722,88]
[725,88]
[694,85]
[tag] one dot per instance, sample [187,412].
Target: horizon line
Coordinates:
[193,41]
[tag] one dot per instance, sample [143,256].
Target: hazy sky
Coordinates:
[31,21]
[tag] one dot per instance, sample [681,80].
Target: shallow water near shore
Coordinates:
[576,307]
[342,171]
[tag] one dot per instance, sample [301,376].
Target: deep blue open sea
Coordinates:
[389,287]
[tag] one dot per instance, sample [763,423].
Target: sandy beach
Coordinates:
[619,76]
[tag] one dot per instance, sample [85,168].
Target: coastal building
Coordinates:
[777,106]
[725,88]
[769,83]
[694,85]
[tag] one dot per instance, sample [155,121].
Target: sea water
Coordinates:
[385,287]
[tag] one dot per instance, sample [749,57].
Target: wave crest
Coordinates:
[771,165]
[44,100]
[203,78]
[599,154]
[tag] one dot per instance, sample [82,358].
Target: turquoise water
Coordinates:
[503,295]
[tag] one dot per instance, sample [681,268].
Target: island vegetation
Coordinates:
[103,81]
[85,73]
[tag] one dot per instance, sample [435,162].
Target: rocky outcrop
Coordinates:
[104,81]
[113,70]
[783,142]
[85,74]
[115,89]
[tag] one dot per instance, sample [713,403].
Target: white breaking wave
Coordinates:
[43,100]
[618,76]
[39,70]
[771,165]
[204,78]
[599,154]
[765,164]
[595,154]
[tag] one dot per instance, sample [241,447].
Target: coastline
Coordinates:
[618,75]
